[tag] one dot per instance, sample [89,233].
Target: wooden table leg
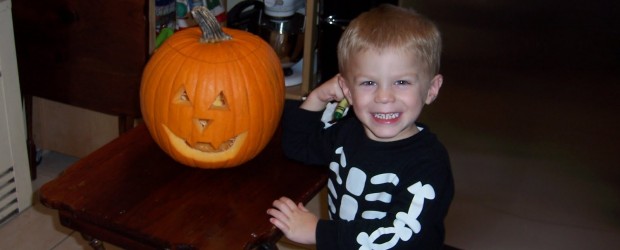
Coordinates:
[125,123]
[94,243]
[269,246]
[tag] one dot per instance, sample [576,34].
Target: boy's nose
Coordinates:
[384,95]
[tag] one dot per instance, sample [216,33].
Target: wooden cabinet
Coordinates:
[89,54]
[84,53]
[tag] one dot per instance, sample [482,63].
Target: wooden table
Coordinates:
[131,194]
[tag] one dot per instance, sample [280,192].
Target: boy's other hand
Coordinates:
[327,92]
[295,221]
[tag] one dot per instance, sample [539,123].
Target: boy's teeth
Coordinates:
[386,116]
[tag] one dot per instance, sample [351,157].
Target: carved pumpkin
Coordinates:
[212,97]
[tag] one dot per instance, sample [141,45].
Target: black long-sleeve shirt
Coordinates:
[381,195]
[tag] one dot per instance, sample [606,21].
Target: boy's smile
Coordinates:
[388,90]
[386,118]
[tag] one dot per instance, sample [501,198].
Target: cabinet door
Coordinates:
[84,53]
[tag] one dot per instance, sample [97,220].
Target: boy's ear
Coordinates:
[342,82]
[433,89]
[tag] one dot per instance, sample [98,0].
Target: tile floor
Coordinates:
[38,227]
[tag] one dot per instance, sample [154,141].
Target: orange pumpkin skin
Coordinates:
[212,105]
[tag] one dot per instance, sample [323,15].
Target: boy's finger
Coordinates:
[277,214]
[288,202]
[302,207]
[279,224]
[281,206]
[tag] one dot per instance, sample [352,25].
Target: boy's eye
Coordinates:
[401,82]
[367,83]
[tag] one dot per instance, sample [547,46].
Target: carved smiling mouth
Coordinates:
[204,151]
[209,148]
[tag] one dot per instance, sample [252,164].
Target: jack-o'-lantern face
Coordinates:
[212,105]
[212,131]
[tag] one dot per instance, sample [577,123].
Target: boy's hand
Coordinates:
[319,97]
[295,221]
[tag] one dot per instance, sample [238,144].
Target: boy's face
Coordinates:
[388,91]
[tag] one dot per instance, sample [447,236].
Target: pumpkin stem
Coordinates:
[211,30]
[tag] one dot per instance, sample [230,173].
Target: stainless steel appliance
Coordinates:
[280,23]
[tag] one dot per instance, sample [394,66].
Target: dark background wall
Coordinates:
[538,77]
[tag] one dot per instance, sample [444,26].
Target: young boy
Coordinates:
[390,183]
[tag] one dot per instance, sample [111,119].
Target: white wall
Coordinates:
[12,129]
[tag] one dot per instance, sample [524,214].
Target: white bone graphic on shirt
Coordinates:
[400,230]
[405,223]
[356,180]
[420,193]
[373,215]
[335,167]
[332,189]
[331,196]
[384,178]
[348,208]
[343,159]
[382,197]
[400,233]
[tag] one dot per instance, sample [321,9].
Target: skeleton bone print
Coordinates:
[405,223]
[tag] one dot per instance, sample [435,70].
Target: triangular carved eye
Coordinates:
[201,124]
[220,102]
[182,97]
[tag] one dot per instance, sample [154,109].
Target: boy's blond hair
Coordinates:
[391,27]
